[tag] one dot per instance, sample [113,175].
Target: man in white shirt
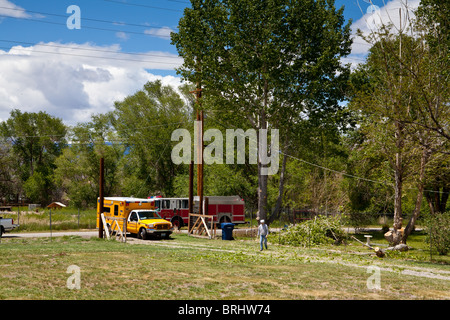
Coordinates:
[263,231]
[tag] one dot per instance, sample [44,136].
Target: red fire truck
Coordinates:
[225,209]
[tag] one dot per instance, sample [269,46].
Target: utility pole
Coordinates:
[200,161]
[198,95]
[191,187]
[101,199]
[199,152]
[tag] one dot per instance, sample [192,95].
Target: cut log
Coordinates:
[401,247]
[379,252]
[389,237]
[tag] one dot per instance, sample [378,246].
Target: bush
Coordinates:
[438,232]
[321,230]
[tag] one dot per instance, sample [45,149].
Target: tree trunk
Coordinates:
[444,198]
[437,200]
[396,235]
[262,194]
[276,213]
[415,215]
[262,179]
[430,202]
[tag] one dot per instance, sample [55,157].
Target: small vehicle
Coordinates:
[7,225]
[148,223]
[140,215]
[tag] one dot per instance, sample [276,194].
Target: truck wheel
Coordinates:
[1,231]
[177,222]
[143,234]
[225,219]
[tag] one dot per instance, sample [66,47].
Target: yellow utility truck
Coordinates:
[139,214]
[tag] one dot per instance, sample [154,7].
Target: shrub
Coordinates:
[438,232]
[320,230]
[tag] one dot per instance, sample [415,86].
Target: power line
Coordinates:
[88,49]
[84,18]
[116,52]
[175,64]
[109,21]
[179,1]
[92,28]
[134,129]
[95,57]
[143,5]
[116,23]
[332,170]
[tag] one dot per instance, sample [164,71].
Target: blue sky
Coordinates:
[121,45]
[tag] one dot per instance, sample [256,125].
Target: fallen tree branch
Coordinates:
[379,252]
[364,244]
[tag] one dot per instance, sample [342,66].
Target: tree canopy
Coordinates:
[273,63]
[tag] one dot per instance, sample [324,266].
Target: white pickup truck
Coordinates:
[7,225]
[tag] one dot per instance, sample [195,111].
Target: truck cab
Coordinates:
[7,225]
[146,223]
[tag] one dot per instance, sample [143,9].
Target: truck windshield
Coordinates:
[148,215]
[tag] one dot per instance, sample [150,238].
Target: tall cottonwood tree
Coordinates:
[145,121]
[401,94]
[433,28]
[273,63]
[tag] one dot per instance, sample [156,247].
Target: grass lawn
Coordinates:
[191,268]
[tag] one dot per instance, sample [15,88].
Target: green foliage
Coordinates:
[272,63]
[77,171]
[401,97]
[36,186]
[145,121]
[359,220]
[32,143]
[438,231]
[320,230]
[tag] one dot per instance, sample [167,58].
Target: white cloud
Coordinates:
[163,32]
[387,12]
[122,35]
[73,81]
[9,9]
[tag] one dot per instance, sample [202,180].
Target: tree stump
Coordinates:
[394,237]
